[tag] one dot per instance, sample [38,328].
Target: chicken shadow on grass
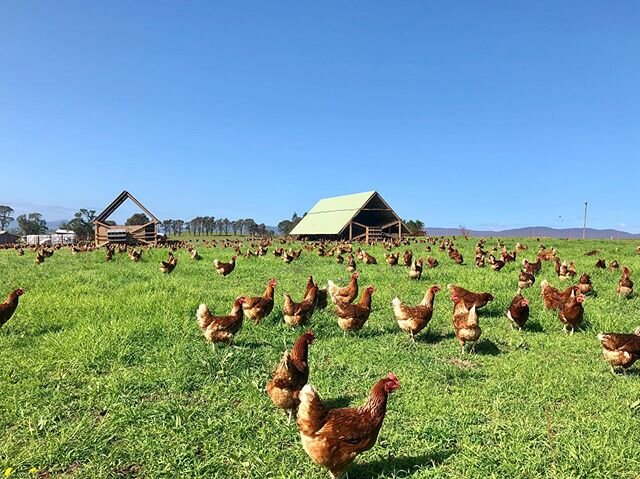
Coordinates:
[33,330]
[407,465]
[533,327]
[487,347]
[432,337]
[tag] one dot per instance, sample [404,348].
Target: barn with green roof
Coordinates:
[360,216]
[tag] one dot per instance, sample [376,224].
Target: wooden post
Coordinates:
[366,235]
[350,230]
[399,230]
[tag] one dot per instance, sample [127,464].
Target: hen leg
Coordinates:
[290,415]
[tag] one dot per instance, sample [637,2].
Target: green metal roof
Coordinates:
[331,215]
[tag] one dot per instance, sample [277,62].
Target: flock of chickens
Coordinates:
[334,437]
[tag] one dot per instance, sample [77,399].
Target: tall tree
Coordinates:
[81,224]
[210,224]
[285,227]
[251,226]
[137,219]
[177,226]
[416,227]
[5,216]
[166,226]
[33,224]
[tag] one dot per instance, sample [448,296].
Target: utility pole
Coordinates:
[584,228]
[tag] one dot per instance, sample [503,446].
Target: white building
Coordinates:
[59,237]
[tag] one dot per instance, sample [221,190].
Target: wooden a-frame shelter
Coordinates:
[361,216]
[128,234]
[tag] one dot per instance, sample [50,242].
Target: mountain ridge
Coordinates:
[537,232]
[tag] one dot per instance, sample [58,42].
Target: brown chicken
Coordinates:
[320,294]
[625,285]
[614,265]
[552,297]
[351,264]
[291,374]
[351,317]
[572,311]
[478,299]
[259,307]
[135,255]
[169,265]
[407,257]
[565,271]
[414,319]
[496,264]
[296,314]
[620,350]
[392,259]
[415,272]
[432,262]
[334,437]
[225,269]
[584,284]
[465,324]
[9,306]
[526,280]
[368,259]
[601,264]
[532,268]
[346,294]
[518,312]
[287,256]
[220,329]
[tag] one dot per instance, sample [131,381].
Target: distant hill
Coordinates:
[538,232]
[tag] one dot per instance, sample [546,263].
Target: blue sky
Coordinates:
[483,114]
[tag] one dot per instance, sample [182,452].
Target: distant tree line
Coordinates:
[209,225]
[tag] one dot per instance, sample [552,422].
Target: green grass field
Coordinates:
[104,373]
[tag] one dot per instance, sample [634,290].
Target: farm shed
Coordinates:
[361,216]
[8,238]
[128,234]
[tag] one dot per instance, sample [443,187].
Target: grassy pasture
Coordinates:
[104,373]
